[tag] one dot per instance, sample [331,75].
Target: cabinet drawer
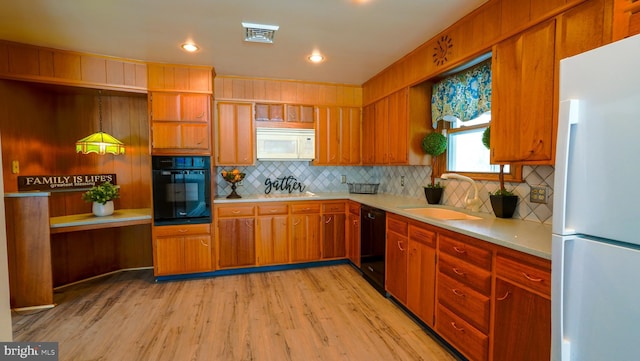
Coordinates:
[268,209]
[182,230]
[463,272]
[333,207]
[473,343]
[422,235]
[525,275]
[241,211]
[396,225]
[305,208]
[468,304]
[354,208]
[462,250]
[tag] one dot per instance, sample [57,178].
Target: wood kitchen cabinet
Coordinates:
[353,233]
[421,272]
[182,249]
[235,134]
[393,128]
[396,257]
[525,81]
[272,236]
[180,123]
[626,19]
[305,231]
[333,230]
[411,265]
[463,310]
[523,96]
[522,303]
[337,135]
[235,235]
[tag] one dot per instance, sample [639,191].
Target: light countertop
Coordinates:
[525,236]
[141,215]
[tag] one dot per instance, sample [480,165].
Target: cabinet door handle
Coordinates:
[204,243]
[200,115]
[531,278]
[459,249]
[506,295]
[183,230]
[296,222]
[329,219]
[248,223]
[235,212]
[400,246]
[453,324]
[457,292]
[458,271]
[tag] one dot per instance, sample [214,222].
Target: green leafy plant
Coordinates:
[434,144]
[101,193]
[502,191]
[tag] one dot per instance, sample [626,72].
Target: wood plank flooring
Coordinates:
[323,313]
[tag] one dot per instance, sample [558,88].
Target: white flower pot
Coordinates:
[101,210]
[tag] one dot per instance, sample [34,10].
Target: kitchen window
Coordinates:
[461,110]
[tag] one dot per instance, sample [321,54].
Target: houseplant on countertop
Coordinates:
[102,197]
[434,144]
[503,202]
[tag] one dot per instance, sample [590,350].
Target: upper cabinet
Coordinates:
[626,18]
[337,135]
[180,123]
[180,109]
[393,127]
[522,96]
[235,134]
[525,81]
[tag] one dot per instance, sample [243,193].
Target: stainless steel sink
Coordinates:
[441,213]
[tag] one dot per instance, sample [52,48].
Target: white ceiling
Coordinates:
[358,37]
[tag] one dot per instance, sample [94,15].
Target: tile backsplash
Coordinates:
[328,179]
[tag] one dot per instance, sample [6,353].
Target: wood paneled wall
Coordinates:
[286,91]
[40,125]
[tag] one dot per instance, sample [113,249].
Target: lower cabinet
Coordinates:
[235,234]
[305,232]
[182,249]
[487,301]
[353,233]
[411,265]
[272,236]
[522,303]
[333,230]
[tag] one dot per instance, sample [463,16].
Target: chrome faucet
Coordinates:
[472,203]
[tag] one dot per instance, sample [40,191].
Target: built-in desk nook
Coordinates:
[48,252]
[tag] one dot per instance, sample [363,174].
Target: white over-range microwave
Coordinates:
[285,144]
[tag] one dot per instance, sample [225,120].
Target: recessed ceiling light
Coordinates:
[190,47]
[316,58]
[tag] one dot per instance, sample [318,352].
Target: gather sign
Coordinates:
[52,183]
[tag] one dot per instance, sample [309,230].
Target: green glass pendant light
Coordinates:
[100,142]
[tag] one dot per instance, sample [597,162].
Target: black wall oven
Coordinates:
[181,190]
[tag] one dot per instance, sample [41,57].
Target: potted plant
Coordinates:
[503,202]
[102,197]
[434,144]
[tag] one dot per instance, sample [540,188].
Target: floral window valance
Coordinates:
[464,95]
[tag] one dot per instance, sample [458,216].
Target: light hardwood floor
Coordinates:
[324,313]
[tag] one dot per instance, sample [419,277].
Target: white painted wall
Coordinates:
[6,331]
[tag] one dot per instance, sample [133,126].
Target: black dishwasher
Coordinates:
[372,247]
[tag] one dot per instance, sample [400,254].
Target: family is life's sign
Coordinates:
[62,182]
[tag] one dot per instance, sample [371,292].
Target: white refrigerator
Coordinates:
[596,219]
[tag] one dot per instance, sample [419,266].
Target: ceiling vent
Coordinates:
[259,33]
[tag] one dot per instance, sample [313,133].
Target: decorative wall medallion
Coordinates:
[442,49]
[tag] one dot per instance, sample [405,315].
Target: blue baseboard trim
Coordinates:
[239,271]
